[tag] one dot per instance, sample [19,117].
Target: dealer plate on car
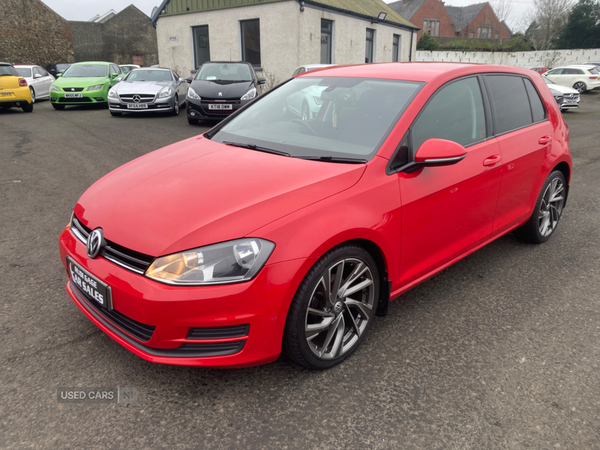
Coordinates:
[92,287]
[220,106]
[137,106]
[73,95]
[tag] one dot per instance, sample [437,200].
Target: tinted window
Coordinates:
[24,72]
[224,72]
[251,41]
[555,72]
[537,107]
[455,113]
[572,71]
[509,102]
[86,70]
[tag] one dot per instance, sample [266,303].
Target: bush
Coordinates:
[427,42]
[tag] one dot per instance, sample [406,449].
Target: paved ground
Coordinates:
[500,351]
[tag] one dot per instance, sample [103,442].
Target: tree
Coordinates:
[546,22]
[503,9]
[427,42]
[583,26]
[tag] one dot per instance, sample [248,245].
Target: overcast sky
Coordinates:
[86,9]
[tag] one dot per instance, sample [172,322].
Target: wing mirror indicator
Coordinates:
[436,152]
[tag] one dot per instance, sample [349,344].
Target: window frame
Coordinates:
[194,49]
[243,47]
[493,110]
[330,34]
[396,46]
[372,40]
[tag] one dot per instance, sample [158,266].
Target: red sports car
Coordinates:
[274,231]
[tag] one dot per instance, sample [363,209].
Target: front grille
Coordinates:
[128,259]
[68,89]
[210,349]
[74,100]
[233,331]
[220,100]
[136,329]
[144,98]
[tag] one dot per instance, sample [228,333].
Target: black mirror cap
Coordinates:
[189,79]
[261,81]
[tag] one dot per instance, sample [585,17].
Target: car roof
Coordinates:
[227,62]
[415,71]
[5,64]
[26,66]
[316,66]
[152,68]
[96,63]
[575,66]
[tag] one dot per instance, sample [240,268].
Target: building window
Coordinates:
[138,59]
[326,41]
[431,26]
[396,48]
[497,35]
[370,46]
[471,34]
[250,32]
[201,45]
[484,31]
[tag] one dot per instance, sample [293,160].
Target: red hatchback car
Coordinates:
[273,231]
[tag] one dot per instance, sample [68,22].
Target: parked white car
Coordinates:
[126,68]
[580,77]
[38,79]
[571,96]
[306,103]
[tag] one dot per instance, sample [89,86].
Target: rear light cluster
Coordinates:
[593,78]
[22,82]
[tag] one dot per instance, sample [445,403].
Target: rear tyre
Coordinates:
[580,87]
[32,95]
[58,107]
[547,212]
[176,106]
[27,107]
[333,308]
[113,113]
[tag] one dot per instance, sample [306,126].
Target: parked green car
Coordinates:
[84,83]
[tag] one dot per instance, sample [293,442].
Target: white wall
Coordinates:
[548,58]
[288,38]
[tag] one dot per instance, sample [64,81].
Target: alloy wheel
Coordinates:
[340,308]
[551,207]
[32,95]
[579,86]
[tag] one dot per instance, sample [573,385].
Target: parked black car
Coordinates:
[54,68]
[220,88]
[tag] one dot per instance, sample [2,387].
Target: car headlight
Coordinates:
[192,94]
[249,95]
[227,262]
[112,93]
[166,92]
[96,87]
[55,88]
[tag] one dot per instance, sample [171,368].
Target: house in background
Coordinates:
[126,37]
[277,36]
[441,20]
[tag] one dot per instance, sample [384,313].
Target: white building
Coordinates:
[277,36]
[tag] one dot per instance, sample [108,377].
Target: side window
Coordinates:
[509,102]
[537,107]
[555,72]
[296,72]
[454,113]
[37,71]
[115,69]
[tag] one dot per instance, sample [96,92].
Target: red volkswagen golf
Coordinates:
[276,232]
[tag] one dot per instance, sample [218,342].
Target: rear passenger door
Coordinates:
[449,210]
[524,133]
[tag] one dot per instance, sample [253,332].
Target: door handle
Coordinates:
[491,160]
[544,140]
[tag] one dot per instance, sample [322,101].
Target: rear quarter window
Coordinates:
[537,106]
[510,102]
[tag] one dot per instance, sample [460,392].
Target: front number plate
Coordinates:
[91,286]
[73,95]
[137,106]
[220,106]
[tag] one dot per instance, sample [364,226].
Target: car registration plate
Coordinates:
[137,106]
[220,106]
[5,94]
[73,95]
[89,285]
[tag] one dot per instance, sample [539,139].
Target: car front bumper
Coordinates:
[87,97]
[200,109]
[158,105]
[175,314]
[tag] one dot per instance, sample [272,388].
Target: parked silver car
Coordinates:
[38,79]
[148,89]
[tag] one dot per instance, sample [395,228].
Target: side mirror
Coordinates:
[114,75]
[58,75]
[37,75]
[261,81]
[193,72]
[439,152]
[181,80]
[189,80]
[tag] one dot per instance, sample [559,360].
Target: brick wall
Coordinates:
[486,17]
[433,9]
[30,32]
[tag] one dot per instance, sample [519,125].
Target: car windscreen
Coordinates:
[8,71]
[224,72]
[149,75]
[86,70]
[321,117]
[548,81]
[62,67]
[24,71]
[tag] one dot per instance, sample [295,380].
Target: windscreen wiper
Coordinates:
[257,148]
[335,159]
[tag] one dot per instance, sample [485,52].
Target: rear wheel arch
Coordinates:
[565,169]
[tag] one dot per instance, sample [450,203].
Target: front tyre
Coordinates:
[580,87]
[58,107]
[32,94]
[192,121]
[176,106]
[548,211]
[115,113]
[333,308]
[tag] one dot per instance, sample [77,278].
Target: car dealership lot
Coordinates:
[499,351]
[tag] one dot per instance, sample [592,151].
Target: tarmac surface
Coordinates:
[499,351]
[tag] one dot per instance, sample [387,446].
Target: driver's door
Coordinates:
[449,210]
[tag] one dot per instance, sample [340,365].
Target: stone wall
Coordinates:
[30,32]
[117,40]
[548,58]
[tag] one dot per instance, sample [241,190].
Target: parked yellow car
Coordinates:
[14,91]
